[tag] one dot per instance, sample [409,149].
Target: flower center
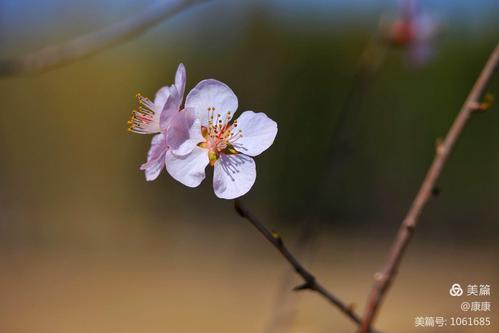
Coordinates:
[220,135]
[145,119]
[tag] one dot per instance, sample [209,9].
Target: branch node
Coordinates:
[410,227]
[487,102]
[439,146]
[378,276]
[474,106]
[304,286]
[277,237]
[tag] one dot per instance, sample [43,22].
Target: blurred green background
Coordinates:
[88,245]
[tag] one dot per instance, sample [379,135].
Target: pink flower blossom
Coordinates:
[203,134]
[155,118]
[415,31]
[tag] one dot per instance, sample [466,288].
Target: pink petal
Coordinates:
[184,132]
[171,107]
[180,79]
[161,97]
[155,157]
[172,97]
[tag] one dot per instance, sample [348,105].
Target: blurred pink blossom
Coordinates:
[415,31]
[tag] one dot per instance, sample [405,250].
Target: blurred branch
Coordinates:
[338,149]
[371,60]
[385,279]
[310,282]
[89,44]
[283,313]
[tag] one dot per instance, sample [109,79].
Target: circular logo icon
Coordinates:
[456,290]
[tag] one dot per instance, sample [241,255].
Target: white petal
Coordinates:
[180,79]
[234,175]
[211,94]
[155,158]
[258,133]
[188,169]
[183,132]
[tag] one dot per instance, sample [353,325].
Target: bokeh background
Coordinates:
[87,245]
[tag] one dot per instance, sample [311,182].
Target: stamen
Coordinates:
[144,119]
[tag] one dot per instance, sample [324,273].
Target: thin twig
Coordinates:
[384,279]
[86,45]
[310,282]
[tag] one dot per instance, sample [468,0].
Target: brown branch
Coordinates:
[89,44]
[384,279]
[310,282]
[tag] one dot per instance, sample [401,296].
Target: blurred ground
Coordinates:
[225,281]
